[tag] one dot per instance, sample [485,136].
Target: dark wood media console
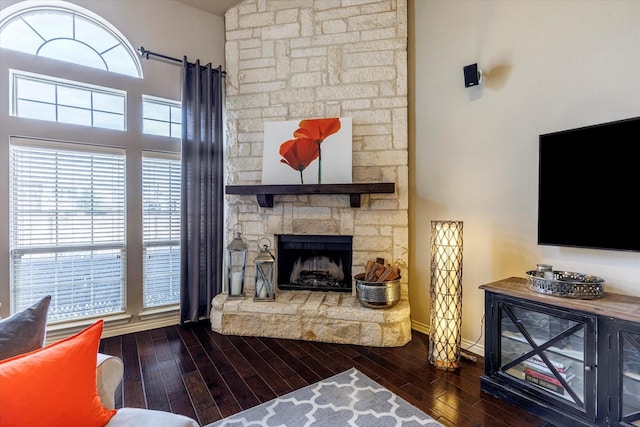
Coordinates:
[571,362]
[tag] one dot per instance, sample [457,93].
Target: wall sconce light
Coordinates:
[472,75]
[446,294]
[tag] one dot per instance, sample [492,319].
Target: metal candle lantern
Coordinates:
[236,263]
[264,274]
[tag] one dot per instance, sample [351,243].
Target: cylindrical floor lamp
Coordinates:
[446,294]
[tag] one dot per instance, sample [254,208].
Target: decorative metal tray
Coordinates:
[566,284]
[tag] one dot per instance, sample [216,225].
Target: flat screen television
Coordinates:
[589,187]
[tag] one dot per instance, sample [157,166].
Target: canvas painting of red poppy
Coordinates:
[308,151]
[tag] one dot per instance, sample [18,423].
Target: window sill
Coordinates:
[58,330]
[158,312]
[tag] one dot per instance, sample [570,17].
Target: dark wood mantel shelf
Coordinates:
[265,193]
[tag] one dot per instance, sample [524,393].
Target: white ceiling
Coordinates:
[216,7]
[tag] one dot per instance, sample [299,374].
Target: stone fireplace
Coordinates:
[296,60]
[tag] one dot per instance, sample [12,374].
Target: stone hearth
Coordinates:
[313,316]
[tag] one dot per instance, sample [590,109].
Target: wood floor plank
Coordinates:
[162,347]
[133,395]
[186,333]
[172,380]
[180,353]
[285,371]
[181,404]
[155,393]
[218,389]
[130,358]
[204,406]
[241,391]
[194,371]
[264,369]
[215,353]
[333,360]
[280,348]
[260,388]
[237,358]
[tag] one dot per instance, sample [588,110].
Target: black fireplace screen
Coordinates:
[316,263]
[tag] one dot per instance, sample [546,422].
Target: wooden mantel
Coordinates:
[265,193]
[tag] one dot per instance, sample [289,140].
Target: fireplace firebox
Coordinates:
[314,262]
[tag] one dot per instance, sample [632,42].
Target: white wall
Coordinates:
[549,66]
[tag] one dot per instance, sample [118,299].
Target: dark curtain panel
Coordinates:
[201,248]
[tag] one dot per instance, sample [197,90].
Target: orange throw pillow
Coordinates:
[54,385]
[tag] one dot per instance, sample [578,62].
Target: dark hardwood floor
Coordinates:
[194,371]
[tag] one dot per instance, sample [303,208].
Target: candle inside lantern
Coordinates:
[262,289]
[236,283]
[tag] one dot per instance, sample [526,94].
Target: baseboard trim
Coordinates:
[141,326]
[467,345]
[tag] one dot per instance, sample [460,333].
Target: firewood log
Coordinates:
[370,271]
[389,273]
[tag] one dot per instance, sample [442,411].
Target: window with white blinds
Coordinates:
[161,228]
[67,228]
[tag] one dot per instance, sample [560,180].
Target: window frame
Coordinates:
[15,75]
[150,99]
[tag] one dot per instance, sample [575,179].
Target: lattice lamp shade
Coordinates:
[446,294]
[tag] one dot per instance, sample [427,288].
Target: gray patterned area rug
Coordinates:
[346,399]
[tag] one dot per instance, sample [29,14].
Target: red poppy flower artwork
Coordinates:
[317,130]
[299,153]
[310,147]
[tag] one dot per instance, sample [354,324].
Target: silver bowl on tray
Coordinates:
[565,284]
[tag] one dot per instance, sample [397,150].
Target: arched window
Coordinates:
[68,33]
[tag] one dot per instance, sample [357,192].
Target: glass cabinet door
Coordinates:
[549,353]
[630,371]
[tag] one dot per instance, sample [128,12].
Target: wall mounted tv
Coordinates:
[589,187]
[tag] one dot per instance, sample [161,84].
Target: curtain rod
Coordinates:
[146,53]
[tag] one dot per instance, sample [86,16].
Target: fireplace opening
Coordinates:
[313,262]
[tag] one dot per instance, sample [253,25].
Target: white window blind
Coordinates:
[161,228]
[67,228]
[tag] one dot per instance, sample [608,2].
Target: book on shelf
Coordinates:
[545,377]
[567,374]
[560,367]
[544,384]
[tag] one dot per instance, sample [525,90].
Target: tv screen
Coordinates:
[589,187]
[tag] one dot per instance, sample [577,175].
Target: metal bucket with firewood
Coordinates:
[384,294]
